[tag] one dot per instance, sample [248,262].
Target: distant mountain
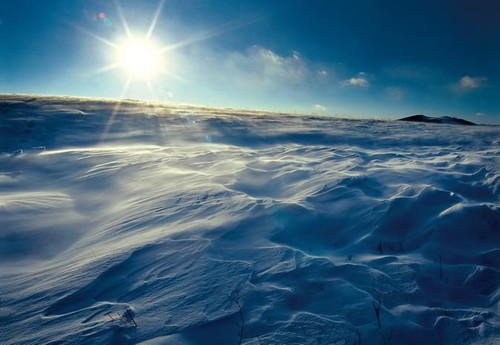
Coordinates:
[445,120]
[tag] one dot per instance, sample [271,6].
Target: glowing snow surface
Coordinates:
[184,225]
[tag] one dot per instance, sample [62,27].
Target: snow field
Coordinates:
[184,225]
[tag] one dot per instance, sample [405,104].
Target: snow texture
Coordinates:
[156,224]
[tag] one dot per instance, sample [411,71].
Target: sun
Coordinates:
[140,58]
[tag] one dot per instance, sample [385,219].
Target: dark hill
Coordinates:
[444,120]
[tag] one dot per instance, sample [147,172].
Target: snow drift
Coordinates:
[155,224]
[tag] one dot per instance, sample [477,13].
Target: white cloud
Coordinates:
[265,68]
[320,107]
[358,81]
[481,114]
[296,55]
[467,83]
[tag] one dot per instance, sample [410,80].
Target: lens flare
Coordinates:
[104,19]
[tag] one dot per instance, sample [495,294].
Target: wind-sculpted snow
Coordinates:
[154,224]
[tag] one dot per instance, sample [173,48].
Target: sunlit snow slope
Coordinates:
[154,224]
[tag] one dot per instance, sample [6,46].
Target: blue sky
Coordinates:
[359,58]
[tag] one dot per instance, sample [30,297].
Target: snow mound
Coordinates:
[159,224]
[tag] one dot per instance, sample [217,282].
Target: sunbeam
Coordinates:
[155,19]
[151,89]
[116,109]
[122,18]
[97,37]
[224,28]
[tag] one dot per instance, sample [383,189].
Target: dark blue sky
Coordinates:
[360,58]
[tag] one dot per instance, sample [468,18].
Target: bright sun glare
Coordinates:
[140,58]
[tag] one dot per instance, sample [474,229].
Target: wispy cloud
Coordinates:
[264,67]
[254,76]
[467,83]
[358,81]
